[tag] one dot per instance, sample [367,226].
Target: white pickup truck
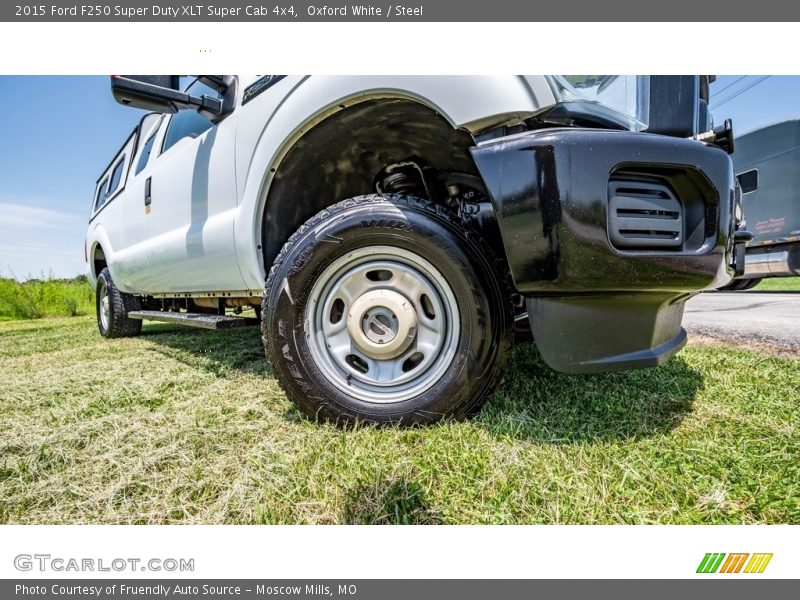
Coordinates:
[390,231]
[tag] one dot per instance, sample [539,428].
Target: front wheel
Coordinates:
[113,307]
[385,309]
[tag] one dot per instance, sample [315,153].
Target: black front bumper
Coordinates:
[600,296]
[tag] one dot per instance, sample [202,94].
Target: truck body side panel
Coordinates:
[772,210]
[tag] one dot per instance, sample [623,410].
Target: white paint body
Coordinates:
[202,232]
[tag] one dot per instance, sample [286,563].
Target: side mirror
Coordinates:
[674,105]
[161,93]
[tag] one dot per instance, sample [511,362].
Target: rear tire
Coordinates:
[740,285]
[112,308]
[385,309]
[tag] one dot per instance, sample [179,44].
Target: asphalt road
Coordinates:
[757,317]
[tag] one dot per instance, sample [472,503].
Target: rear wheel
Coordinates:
[386,310]
[113,307]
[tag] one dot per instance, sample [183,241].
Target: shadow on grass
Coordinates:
[389,501]
[533,402]
[213,351]
[538,404]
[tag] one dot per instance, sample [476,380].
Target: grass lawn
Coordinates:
[779,284]
[185,426]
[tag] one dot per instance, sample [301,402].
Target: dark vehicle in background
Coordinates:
[767,164]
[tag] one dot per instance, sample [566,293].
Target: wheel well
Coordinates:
[98,260]
[341,156]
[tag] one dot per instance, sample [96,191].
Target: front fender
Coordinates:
[272,122]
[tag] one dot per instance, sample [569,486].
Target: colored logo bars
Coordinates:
[716,562]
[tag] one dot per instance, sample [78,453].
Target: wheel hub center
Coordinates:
[382,324]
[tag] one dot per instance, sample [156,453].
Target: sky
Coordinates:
[57,134]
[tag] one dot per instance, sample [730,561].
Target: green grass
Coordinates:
[779,284]
[186,426]
[37,298]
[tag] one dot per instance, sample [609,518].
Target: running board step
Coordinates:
[202,320]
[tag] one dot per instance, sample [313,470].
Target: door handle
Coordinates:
[147,197]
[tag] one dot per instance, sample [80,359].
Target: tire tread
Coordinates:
[121,304]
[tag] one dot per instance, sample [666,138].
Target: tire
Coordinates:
[112,308]
[442,298]
[751,283]
[740,285]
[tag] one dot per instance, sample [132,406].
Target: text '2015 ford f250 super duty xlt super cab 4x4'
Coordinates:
[391,231]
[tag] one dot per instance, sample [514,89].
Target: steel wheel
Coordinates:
[105,306]
[382,324]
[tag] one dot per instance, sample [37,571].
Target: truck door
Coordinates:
[190,196]
[131,253]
